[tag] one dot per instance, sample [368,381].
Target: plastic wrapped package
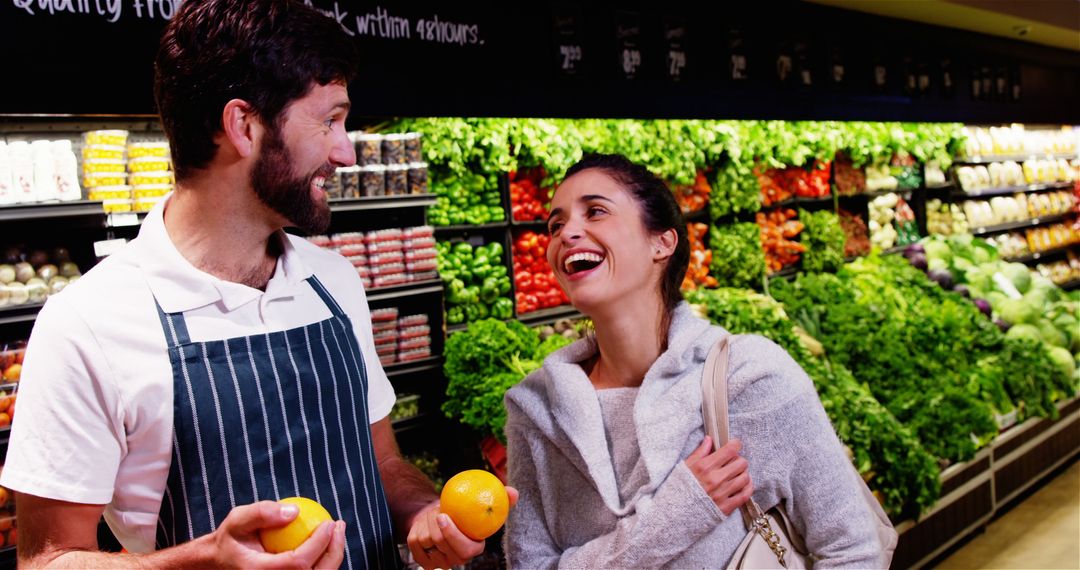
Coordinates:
[395,257]
[390,280]
[379,236]
[320,240]
[386,269]
[418,244]
[349,250]
[368,148]
[146,204]
[118,205]
[152,177]
[363,271]
[418,178]
[119,192]
[415,354]
[415,255]
[332,186]
[427,276]
[103,151]
[418,232]
[348,238]
[383,315]
[106,137]
[158,149]
[93,165]
[387,359]
[380,326]
[393,149]
[386,349]
[397,179]
[412,321]
[149,164]
[413,343]
[151,190]
[384,247]
[357,260]
[387,336]
[413,149]
[372,180]
[350,182]
[422,266]
[413,331]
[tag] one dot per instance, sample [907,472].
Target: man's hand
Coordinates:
[436,542]
[237,539]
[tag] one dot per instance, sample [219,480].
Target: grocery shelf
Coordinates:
[1005,190]
[785,273]
[79,208]
[432,363]
[894,249]
[20,313]
[382,202]
[550,315]
[405,290]
[530,224]
[1014,158]
[819,201]
[1041,254]
[979,231]
[409,423]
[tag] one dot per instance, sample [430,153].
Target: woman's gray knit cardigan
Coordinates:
[570,515]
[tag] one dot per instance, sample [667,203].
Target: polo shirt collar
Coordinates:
[179,286]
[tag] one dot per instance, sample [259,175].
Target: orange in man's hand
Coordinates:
[477,503]
[292,535]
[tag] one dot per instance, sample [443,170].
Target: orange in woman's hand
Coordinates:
[477,503]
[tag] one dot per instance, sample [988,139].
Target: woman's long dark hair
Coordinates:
[659,212]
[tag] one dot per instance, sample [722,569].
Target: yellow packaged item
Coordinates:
[104,165]
[145,149]
[151,190]
[144,178]
[121,192]
[109,137]
[149,164]
[119,205]
[112,152]
[147,204]
[94,179]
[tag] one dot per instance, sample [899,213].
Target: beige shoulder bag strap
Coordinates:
[771,541]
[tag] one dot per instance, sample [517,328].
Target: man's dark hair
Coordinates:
[659,212]
[268,53]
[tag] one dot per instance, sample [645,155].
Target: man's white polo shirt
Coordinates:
[96,398]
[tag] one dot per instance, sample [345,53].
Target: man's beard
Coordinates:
[274,184]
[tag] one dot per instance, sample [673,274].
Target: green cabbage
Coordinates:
[1019,275]
[1024,331]
[1063,359]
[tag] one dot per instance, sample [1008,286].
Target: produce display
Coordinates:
[779,228]
[782,184]
[405,406]
[1015,140]
[476,282]
[849,180]
[1017,208]
[738,259]
[528,200]
[32,276]
[38,171]
[400,338]
[892,222]
[9,536]
[824,239]
[905,170]
[483,362]
[11,359]
[697,272]
[943,218]
[471,199]
[928,355]
[1010,245]
[428,464]
[878,178]
[896,466]
[1051,237]
[1061,272]
[389,257]
[1024,303]
[534,282]
[693,197]
[856,233]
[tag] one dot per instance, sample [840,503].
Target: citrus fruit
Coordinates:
[292,535]
[477,503]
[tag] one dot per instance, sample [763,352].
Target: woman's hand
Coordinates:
[723,474]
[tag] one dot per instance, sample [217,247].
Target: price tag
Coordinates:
[108,247]
[628,43]
[567,39]
[122,219]
[675,35]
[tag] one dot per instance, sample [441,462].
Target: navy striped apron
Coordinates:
[272,416]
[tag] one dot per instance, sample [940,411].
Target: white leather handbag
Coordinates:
[771,540]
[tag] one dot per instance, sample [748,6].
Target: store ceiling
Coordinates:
[1054,23]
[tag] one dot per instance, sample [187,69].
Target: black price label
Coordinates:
[628,43]
[836,66]
[675,37]
[802,64]
[567,39]
[948,87]
[737,65]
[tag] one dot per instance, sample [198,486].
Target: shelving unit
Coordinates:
[988,192]
[987,230]
[1042,255]
[1015,158]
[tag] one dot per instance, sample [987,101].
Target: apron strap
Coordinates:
[325,295]
[175,326]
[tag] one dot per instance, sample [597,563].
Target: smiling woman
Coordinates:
[606,441]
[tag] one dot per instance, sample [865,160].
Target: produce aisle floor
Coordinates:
[1040,532]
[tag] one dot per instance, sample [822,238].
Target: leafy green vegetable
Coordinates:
[738,260]
[824,240]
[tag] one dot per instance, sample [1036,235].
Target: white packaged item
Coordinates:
[66,168]
[44,170]
[22,172]
[7,187]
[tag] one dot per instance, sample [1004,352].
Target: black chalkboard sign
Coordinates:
[783,59]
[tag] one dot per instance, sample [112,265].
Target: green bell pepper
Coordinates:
[489,291]
[503,308]
[455,315]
